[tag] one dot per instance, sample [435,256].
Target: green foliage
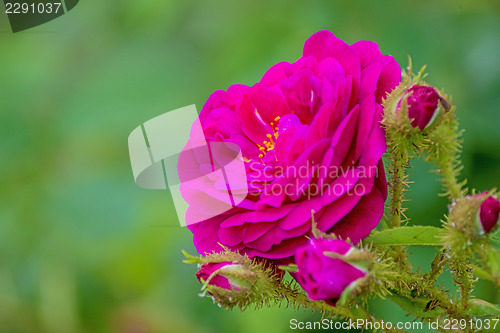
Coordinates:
[415,235]
[423,307]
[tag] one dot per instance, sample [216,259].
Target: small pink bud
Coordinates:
[208,272]
[488,213]
[323,277]
[422,105]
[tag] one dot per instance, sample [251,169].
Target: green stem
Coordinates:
[461,269]
[398,181]
[437,267]
[447,168]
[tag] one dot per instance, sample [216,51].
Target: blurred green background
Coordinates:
[82,249]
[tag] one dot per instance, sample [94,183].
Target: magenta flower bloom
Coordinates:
[322,277]
[311,139]
[422,104]
[218,280]
[489,213]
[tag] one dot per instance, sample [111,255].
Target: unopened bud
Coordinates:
[489,213]
[422,105]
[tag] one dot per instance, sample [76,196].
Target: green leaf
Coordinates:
[492,260]
[419,306]
[478,307]
[495,238]
[417,235]
[481,273]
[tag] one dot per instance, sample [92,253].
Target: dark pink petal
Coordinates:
[319,127]
[330,69]
[343,137]
[288,121]
[274,75]
[309,63]
[370,79]
[324,44]
[294,181]
[291,143]
[341,186]
[368,52]
[276,236]
[231,236]
[389,78]
[234,93]
[205,235]
[262,215]
[266,241]
[363,218]
[301,214]
[253,231]
[375,146]
[252,123]
[348,97]
[302,91]
[334,212]
[283,250]
[223,99]
[367,114]
[248,147]
[269,103]
[223,121]
[326,170]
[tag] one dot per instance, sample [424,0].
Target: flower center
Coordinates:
[269,145]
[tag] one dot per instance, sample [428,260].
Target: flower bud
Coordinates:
[213,274]
[422,105]
[489,213]
[324,270]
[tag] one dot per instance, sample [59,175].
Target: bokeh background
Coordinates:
[82,249]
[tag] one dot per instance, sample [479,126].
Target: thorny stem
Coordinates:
[437,267]
[398,182]
[461,271]
[447,169]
